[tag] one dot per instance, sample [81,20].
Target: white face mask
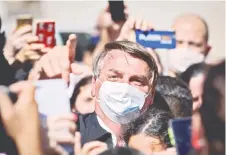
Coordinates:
[121,102]
[181,58]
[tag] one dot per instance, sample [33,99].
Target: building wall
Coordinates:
[81,15]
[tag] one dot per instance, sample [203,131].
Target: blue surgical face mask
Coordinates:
[121,102]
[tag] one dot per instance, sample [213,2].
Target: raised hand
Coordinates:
[21,120]
[128,29]
[53,133]
[91,148]
[17,40]
[56,62]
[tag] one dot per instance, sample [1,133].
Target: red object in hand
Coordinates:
[197,140]
[46,32]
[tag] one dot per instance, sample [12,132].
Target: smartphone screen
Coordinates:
[117,10]
[45,30]
[181,130]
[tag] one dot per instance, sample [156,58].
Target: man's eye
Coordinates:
[113,77]
[179,42]
[138,83]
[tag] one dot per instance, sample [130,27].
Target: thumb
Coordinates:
[71,44]
[77,145]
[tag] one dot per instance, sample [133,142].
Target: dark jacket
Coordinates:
[6,71]
[91,130]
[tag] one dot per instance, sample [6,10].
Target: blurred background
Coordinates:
[80,16]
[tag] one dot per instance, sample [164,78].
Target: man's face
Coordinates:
[118,66]
[191,35]
[85,102]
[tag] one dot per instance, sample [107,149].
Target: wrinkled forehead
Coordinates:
[124,62]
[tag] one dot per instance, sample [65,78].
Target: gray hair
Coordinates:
[131,48]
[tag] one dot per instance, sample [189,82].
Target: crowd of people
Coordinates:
[122,102]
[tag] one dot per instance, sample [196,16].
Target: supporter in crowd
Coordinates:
[176,94]
[21,120]
[108,29]
[121,151]
[213,109]
[81,100]
[19,52]
[192,32]
[192,46]
[150,130]
[195,77]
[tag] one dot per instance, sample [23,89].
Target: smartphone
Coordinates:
[53,100]
[117,11]
[23,19]
[45,30]
[180,135]
[156,39]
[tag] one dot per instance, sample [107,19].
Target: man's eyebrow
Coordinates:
[141,77]
[115,71]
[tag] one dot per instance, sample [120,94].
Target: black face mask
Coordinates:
[2,40]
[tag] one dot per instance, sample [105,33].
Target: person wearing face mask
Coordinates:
[123,84]
[192,46]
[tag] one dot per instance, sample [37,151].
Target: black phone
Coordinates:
[117,10]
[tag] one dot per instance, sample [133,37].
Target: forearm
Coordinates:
[30,143]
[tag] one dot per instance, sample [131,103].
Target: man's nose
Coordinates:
[185,45]
[126,79]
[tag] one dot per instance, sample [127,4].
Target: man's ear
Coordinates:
[93,89]
[208,48]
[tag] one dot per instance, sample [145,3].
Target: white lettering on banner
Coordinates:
[150,37]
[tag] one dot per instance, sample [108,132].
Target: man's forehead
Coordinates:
[115,53]
[190,24]
[121,59]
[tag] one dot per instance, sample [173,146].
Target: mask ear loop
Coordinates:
[98,99]
[146,95]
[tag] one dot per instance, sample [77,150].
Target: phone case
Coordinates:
[45,30]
